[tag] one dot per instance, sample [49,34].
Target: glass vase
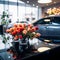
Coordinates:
[15,45]
[24,45]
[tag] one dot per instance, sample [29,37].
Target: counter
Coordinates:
[47,54]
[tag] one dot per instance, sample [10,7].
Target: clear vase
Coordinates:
[24,45]
[21,46]
[15,45]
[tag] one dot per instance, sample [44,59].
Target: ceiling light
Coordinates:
[27,1]
[54,2]
[33,4]
[47,4]
[44,1]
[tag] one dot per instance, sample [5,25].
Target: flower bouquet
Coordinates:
[22,32]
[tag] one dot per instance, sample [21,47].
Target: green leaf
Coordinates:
[3,41]
[7,38]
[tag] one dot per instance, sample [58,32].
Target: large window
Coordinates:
[31,13]
[1,9]
[19,11]
[13,12]
[22,11]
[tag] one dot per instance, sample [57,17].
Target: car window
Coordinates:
[44,21]
[56,20]
[49,20]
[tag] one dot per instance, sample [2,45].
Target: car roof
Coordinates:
[51,16]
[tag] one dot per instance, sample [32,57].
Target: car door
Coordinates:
[42,30]
[42,25]
[53,29]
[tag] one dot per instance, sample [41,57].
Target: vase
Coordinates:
[21,47]
[24,45]
[15,45]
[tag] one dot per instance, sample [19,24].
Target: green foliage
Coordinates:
[4,18]
[4,15]
[5,39]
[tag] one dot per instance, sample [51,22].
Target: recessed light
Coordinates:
[33,4]
[44,1]
[47,4]
[54,2]
[27,1]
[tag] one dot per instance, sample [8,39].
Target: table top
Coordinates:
[38,45]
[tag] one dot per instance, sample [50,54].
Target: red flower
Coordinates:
[36,28]
[18,31]
[21,28]
[14,33]
[15,25]
[16,37]
[20,37]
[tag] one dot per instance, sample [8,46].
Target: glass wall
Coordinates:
[31,13]
[18,10]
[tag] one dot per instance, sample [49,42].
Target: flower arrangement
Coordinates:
[54,11]
[23,31]
[20,32]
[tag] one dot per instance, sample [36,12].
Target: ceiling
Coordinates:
[34,2]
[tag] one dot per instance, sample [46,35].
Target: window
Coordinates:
[1,9]
[56,20]
[44,21]
[12,10]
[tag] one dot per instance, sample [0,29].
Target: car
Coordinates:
[49,27]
